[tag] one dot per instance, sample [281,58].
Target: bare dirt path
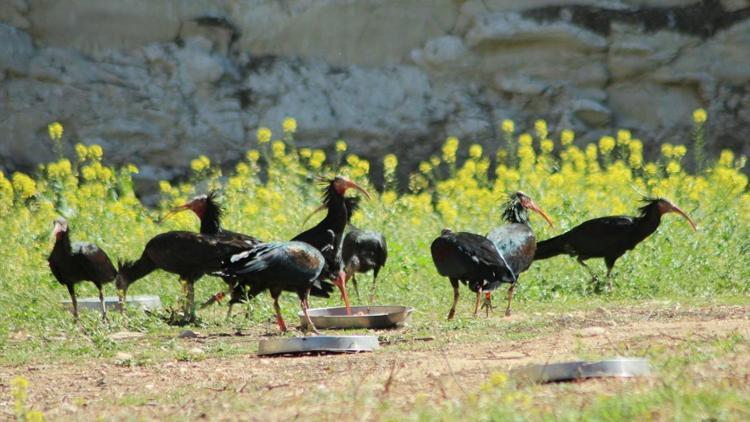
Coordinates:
[277,388]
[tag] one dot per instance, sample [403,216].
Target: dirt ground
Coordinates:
[422,370]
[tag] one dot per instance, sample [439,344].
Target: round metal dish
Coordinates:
[572,371]
[339,344]
[361,317]
[145,302]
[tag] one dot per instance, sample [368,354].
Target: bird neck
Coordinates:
[62,245]
[136,270]
[336,218]
[211,219]
[648,222]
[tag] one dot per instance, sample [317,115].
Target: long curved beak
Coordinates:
[675,209]
[173,211]
[534,207]
[350,184]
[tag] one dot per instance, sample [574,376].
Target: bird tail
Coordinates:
[551,247]
[321,288]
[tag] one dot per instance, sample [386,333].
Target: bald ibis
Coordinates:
[362,250]
[187,254]
[334,222]
[609,237]
[209,211]
[515,242]
[79,261]
[281,266]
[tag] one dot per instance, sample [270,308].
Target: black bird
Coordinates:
[334,222]
[281,266]
[515,241]
[187,254]
[471,259]
[609,237]
[209,211]
[362,250]
[79,261]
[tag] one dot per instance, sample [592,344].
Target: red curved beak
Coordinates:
[534,207]
[675,209]
[174,211]
[350,184]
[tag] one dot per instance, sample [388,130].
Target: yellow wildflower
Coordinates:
[635,160]
[673,167]
[700,116]
[263,135]
[165,186]
[81,151]
[6,188]
[435,160]
[88,173]
[425,167]
[591,152]
[390,162]
[475,151]
[352,159]
[317,159]
[651,169]
[305,152]
[636,146]
[24,185]
[567,137]
[131,168]
[96,152]
[606,144]
[199,164]
[289,125]
[449,149]
[679,151]
[525,140]
[623,137]
[667,150]
[547,146]
[278,149]
[726,159]
[253,155]
[389,197]
[341,145]
[55,130]
[540,127]
[242,169]
[508,126]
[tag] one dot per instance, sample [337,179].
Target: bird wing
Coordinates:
[592,237]
[468,256]
[94,262]
[516,244]
[284,261]
[187,252]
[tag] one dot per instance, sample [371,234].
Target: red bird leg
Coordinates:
[487,305]
[340,282]
[279,319]
[452,312]
[309,325]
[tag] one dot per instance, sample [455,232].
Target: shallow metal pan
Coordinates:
[572,371]
[338,344]
[361,317]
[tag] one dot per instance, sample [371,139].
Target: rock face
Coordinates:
[157,83]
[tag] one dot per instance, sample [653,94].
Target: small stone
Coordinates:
[591,332]
[188,334]
[125,335]
[603,311]
[510,355]
[123,357]
[197,351]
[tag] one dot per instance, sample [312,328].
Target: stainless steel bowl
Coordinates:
[145,302]
[572,371]
[361,317]
[339,344]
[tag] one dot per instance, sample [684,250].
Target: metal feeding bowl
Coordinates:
[574,371]
[145,302]
[335,344]
[360,317]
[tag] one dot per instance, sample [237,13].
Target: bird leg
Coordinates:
[356,289]
[372,292]
[510,298]
[452,312]
[310,325]
[476,305]
[190,302]
[610,264]
[72,292]
[594,278]
[279,318]
[340,282]
[487,304]
[101,302]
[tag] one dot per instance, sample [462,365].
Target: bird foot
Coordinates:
[507,312]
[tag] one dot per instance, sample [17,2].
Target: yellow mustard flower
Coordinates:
[567,137]
[547,146]
[305,152]
[673,167]
[55,130]
[289,125]
[199,164]
[390,162]
[278,149]
[425,167]
[726,158]
[540,127]
[449,149]
[96,152]
[352,159]
[435,160]
[591,152]
[508,126]
[165,186]
[389,197]
[679,151]
[24,185]
[667,150]
[263,135]
[606,144]
[700,116]
[635,145]
[253,155]
[525,140]
[475,151]
[341,145]
[131,168]
[242,169]
[623,137]
[6,187]
[635,160]
[651,169]
[88,173]
[81,151]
